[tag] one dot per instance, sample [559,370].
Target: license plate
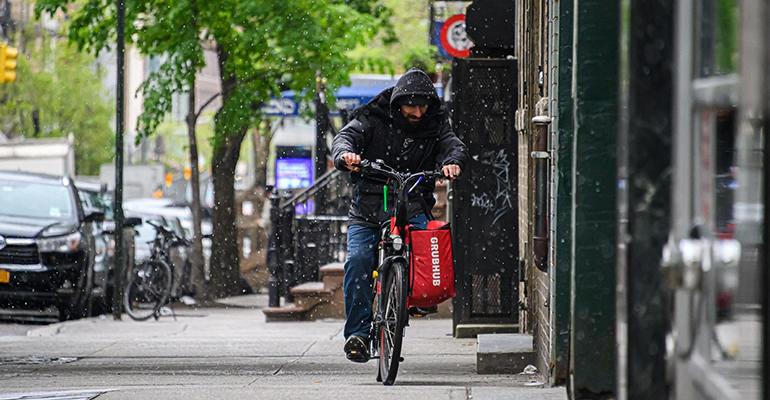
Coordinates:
[5,276]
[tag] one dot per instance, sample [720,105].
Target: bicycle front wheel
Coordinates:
[148,288]
[391,329]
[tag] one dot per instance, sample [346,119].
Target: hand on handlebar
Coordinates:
[451,171]
[352,161]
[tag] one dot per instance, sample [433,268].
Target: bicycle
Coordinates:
[148,286]
[391,284]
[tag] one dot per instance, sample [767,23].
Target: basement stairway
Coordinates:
[314,300]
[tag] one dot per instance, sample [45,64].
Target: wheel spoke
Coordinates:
[390,324]
[147,289]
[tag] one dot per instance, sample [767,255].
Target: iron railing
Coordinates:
[308,231]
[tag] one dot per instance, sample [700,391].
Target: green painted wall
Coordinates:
[595,119]
[563,239]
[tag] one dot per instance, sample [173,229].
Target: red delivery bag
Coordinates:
[432,275]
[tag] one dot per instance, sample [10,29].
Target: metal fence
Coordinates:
[309,230]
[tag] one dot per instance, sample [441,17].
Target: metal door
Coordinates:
[484,201]
[716,195]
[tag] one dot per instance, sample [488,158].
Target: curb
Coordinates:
[245,301]
[57,327]
[48,330]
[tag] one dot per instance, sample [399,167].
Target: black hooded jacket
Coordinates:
[377,130]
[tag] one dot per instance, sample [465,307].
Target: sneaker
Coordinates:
[419,312]
[357,349]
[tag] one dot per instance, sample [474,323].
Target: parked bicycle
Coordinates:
[149,284]
[397,282]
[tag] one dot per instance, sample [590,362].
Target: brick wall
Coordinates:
[532,37]
[541,284]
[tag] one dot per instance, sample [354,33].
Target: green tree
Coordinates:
[262,47]
[406,44]
[59,92]
[726,36]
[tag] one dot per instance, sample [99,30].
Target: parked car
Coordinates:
[47,246]
[94,196]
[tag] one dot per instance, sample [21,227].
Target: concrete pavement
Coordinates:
[226,353]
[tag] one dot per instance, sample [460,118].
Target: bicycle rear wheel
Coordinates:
[391,328]
[148,288]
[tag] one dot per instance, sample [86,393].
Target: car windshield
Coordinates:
[35,200]
[107,203]
[96,200]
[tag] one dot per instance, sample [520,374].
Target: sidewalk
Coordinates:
[232,353]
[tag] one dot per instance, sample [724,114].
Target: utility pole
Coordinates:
[120,250]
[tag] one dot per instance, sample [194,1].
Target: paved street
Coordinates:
[232,353]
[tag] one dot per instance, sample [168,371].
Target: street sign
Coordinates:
[453,37]
[435,39]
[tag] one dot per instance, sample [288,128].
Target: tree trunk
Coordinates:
[225,263]
[261,153]
[198,284]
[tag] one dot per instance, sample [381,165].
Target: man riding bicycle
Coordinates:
[406,127]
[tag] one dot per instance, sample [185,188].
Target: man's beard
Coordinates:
[413,120]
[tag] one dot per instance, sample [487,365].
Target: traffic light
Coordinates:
[8,56]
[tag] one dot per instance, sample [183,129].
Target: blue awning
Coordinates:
[361,89]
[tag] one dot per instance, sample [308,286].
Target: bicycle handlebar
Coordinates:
[167,232]
[402,178]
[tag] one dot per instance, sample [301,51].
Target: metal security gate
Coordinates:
[717,181]
[484,211]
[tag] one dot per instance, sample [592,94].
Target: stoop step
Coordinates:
[287,313]
[504,353]
[314,300]
[332,275]
[310,294]
[337,268]
[310,288]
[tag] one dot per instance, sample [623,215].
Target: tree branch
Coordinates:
[214,97]
[206,104]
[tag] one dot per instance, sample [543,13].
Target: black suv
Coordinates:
[46,246]
[95,197]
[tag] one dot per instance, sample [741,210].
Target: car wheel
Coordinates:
[99,305]
[79,304]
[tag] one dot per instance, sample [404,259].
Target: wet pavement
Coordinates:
[232,353]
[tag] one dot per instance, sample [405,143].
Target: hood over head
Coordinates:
[414,87]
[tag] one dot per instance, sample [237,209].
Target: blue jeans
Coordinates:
[357,285]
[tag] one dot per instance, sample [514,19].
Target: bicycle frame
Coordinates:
[392,245]
[389,249]
[158,265]
[163,242]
